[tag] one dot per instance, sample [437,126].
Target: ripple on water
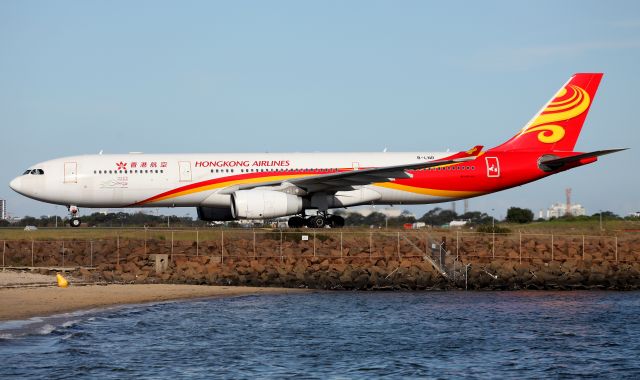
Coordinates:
[341,335]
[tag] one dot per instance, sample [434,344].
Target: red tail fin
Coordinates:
[557,125]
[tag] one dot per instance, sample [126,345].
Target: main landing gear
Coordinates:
[317,221]
[74,221]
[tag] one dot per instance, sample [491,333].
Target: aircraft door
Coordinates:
[70,172]
[185,171]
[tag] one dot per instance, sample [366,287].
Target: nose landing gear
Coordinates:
[74,221]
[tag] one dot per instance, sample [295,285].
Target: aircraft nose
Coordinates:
[16,184]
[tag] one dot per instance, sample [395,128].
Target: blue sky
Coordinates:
[205,76]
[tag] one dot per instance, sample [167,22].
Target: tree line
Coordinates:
[435,217]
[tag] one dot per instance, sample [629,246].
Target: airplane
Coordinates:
[232,186]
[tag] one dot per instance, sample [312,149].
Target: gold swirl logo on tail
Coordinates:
[568,103]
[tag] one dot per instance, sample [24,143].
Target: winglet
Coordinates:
[471,153]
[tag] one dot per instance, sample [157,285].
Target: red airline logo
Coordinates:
[142,164]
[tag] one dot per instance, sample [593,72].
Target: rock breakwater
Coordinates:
[396,260]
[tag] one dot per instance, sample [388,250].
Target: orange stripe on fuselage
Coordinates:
[218,183]
[427,191]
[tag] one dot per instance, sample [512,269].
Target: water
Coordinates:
[338,335]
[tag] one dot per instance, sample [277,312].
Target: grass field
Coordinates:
[560,227]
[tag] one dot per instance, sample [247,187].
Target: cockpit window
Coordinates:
[34,172]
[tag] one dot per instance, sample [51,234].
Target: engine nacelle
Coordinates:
[214,214]
[262,204]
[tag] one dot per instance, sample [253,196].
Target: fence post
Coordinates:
[4,248]
[582,247]
[118,246]
[551,247]
[616,239]
[32,252]
[254,244]
[520,246]
[145,240]
[493,244]
[457,248]
[197,242]
[399,258]
[90,253]
[281,256]
[171,257]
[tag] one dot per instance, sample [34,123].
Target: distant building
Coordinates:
[558,210]
[3,210]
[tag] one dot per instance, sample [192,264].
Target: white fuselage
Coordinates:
[133,180]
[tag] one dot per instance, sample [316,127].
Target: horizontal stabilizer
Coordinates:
[553,163]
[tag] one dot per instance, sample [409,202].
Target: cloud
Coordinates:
[626,24]
[523,58]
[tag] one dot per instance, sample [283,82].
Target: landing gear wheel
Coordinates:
[335,221]
[296,222]
[316,222]
[75,222]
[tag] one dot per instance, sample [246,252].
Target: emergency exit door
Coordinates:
[185,171]
[70,172]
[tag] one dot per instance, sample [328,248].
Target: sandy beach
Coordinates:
[26,302]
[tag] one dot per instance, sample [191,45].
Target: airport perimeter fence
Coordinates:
[233,244]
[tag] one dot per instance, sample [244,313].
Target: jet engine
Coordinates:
[261,204]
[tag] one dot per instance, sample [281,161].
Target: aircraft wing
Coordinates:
[346,180]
